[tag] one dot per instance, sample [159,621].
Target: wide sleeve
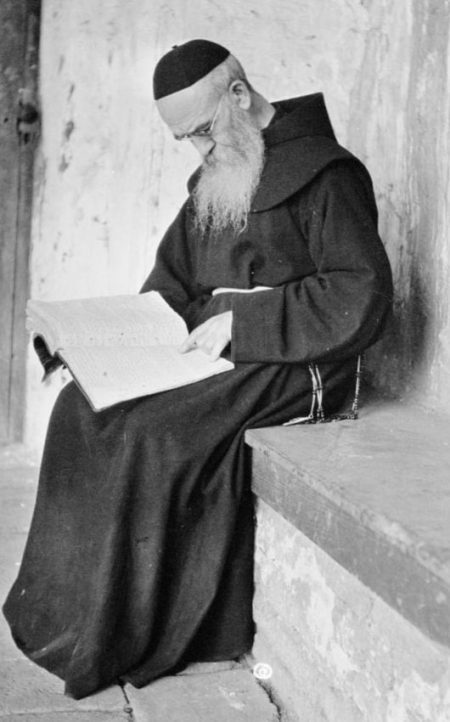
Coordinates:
[172,275]
[339,310]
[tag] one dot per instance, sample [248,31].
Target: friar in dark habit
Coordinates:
[139,558]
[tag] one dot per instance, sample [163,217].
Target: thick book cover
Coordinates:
[117,348]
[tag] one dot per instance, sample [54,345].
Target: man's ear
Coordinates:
[240,94]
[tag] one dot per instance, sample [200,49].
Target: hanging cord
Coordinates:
[320,414]
[311,418]
[317,414]
[355,404]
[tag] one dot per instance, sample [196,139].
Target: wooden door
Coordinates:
[19,33]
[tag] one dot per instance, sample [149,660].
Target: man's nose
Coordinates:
[203,145]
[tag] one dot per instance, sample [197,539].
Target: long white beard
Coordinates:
[229,178]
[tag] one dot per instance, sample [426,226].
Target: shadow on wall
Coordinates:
[397,362]
[402,111]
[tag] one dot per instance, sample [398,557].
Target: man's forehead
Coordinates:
[183,110]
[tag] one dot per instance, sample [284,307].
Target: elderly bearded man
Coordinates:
[139,558]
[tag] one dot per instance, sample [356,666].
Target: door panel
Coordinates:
[19,23]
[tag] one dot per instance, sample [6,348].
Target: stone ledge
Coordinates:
[375,495]
[202,694]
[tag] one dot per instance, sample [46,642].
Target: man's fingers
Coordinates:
[185,346]
[211,337]
[188,344]
[198,338]
[217,349]
[213,347]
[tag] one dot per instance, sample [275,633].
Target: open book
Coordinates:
[117,348]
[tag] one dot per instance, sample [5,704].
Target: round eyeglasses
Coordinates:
[203,131]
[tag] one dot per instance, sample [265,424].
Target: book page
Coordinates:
[108,376]
[134,320]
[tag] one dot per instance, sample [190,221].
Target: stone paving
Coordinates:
[222,692]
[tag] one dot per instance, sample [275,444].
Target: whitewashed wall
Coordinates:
[110,178]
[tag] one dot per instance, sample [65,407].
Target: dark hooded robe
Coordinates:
[140,553]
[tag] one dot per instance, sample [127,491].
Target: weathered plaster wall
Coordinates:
[109,177]
[399,122]
[337,651]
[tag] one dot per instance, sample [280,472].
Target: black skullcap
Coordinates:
[185,64]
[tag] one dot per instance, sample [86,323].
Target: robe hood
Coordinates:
[300,143]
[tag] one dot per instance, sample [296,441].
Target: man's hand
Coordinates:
[212,336]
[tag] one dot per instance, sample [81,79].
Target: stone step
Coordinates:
[208,693]
[352,581]
[375,495]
